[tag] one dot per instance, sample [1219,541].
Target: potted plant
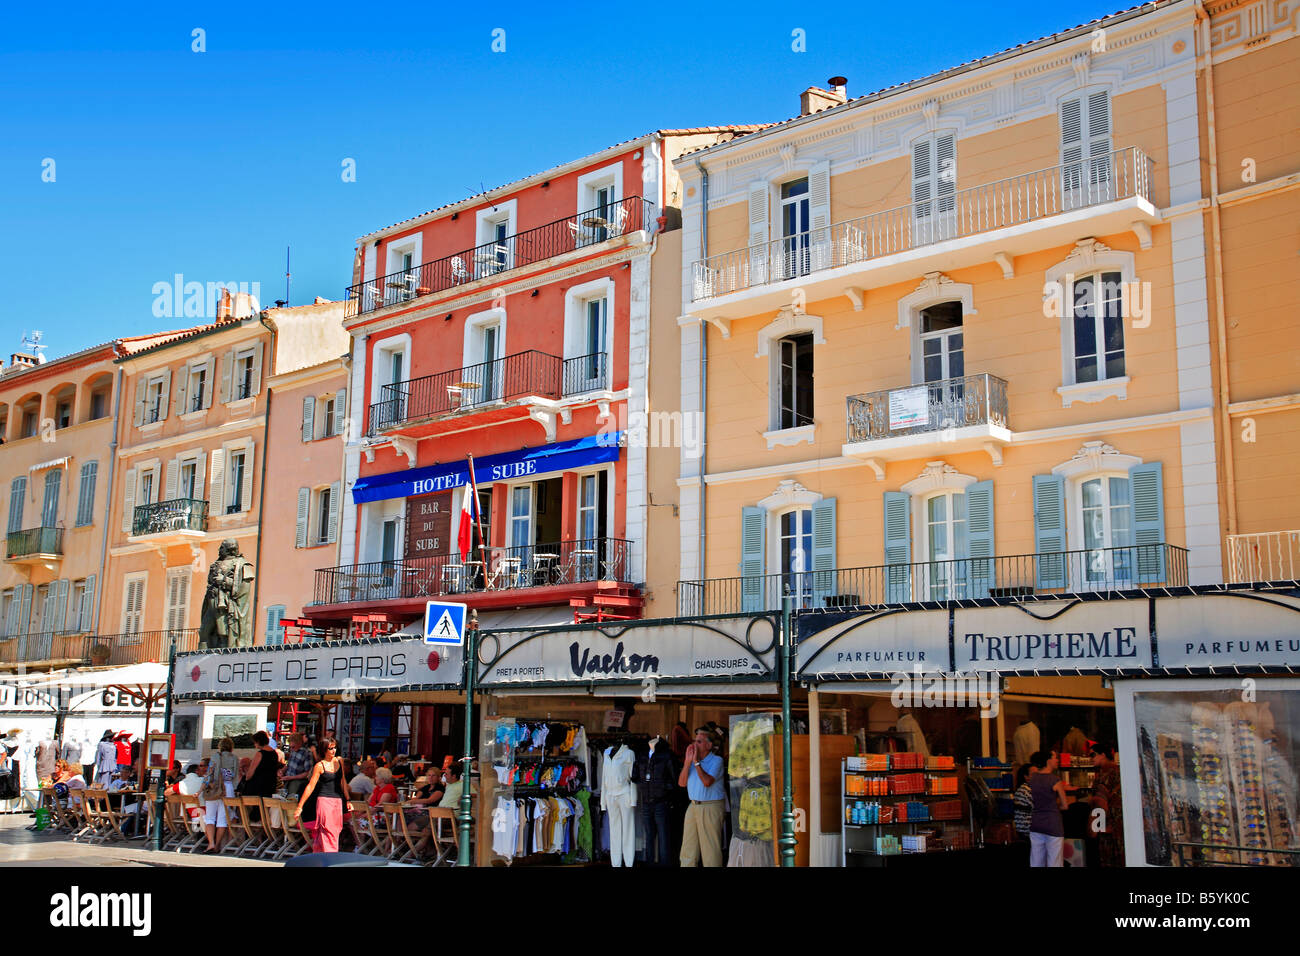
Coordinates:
[99,654]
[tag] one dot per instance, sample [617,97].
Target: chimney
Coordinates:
[19,360]
[814,99]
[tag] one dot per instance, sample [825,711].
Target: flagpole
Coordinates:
[478,520]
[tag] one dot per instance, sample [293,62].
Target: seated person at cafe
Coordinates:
[385,792]
[123,780]
[363,784]
[429,790]
[402,770]
[455,788]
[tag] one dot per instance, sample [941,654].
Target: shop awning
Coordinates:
[507,466]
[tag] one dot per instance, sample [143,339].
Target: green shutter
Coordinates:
[753,524]
[274,630]
[898,546]
[1148,522]
[979,539]
[59,611]
[1049,531]
[88,606]
[17,501]
[823,555]
[86,494]
[24,607]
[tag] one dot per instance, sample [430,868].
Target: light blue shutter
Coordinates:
[86,494]
[59,614]
[898,546]
[340,410]
[274,630]
[979,539]
[50,510]
[1049,530]
[753,524]
[17,499]
[24,607]
[88,606]
[1149,522]
[308,417]
[336,499]
[823,551]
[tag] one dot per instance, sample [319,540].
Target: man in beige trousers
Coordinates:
[702,777]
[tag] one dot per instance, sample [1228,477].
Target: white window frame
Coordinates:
[236,378]
[76,609]
[7,597]
[486,221]
[317,514]
[326,409]
[197,460]
[1089,258]
[229,487]
[151,467]
[590,182]
[776,371]
[394,252]
[192,374]
[381,360]
[512,519]
[476,324]
[1102,462]
[575,322]
[160,382]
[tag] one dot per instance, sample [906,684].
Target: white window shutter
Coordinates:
[140,385]
[25,607]
[246,492]
[819,214]
[128,500]
[922,177]
[758,233]
[1099,143]
[308,417]
[182,390]
[209,380]
[340,410]
[336,492]
[227,374]
[945,171]
[173,478]
[217,494]
[304,507]
[257,370]
[200,475]
[164,400]
[56,615]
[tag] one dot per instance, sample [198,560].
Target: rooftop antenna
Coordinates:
[286,275]
[32,342]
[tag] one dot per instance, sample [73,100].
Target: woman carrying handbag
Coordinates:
[330,787]
[219,783]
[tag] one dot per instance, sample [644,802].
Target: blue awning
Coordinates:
[508,466]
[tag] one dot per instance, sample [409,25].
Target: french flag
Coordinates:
[463,537]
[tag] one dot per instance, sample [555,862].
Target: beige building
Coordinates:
[982,315]
[192,458]
[56,422]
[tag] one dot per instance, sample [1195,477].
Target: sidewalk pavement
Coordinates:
[22,847]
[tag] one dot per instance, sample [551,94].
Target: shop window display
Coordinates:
[1218,776]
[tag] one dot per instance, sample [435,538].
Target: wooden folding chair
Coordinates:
[401,845]
[443,846]
[296,840]
[380,836]
[189,811]
[110,820]
[93,830]
[262,837]
[359,823]
[238,833]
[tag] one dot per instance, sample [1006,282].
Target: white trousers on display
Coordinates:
[1046,850]
[622,829]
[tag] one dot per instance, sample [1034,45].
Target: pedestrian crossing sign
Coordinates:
[444,623]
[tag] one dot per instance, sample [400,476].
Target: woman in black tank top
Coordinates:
[329,788]
[262,781]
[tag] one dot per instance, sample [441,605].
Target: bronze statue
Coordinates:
[227,605]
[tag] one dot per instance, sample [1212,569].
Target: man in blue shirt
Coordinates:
[702,777]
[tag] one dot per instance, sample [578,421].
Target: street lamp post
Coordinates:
[160,798]
[465,817]
[788,840]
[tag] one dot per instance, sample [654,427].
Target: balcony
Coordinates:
[1268,557]
[950,416]
[499,390]
[137,647]
[34,546]
[1010,217]
[173,520]
[75,649]
[1011,578]
[575,234]
[531,575]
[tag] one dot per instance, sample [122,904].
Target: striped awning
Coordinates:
[52,463]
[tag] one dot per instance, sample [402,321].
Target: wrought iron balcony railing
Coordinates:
[508,569]
[1264,557]
[1124,174]
[178,514]
[43,540]
[475,386]
[932,407]
[100,650]
[1020,577]
[588,228]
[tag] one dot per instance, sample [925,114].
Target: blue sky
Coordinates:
[208,164]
